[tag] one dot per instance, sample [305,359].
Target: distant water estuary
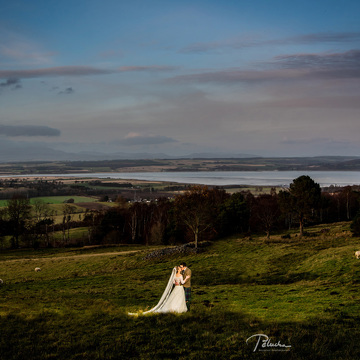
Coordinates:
[222,178]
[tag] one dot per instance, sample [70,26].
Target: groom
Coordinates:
[186,273]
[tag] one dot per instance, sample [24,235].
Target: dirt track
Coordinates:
[73,256]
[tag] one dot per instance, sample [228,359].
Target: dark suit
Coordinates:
[187,286]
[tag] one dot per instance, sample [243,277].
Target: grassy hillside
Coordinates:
[301,292]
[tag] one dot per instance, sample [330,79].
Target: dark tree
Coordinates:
[161,221]
[305,196]
[111,225]
[348,200]
[355,225]
[286,207]
[41,210]
[4,226]
[198,209]
[18,208]
[266,209]
[234,215]
[68,211]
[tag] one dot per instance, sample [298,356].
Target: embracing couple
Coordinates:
[177,294]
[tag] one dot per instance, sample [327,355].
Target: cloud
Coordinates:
[306,141]
[138,139]
[234,75]
[54,71]
[28,130]
[334,102]
[17,48]
[67,91]
[325,37]
[345,65]
[12,83]
[291,67]
[349,60]
[218,46]
[245,42]
[323,143]
[147,68]
[76,71]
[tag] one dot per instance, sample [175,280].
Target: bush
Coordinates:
[286,236]
[355,225]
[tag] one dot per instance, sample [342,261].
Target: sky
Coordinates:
[259,77]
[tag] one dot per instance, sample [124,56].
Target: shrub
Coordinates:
[286,236]
[355,225]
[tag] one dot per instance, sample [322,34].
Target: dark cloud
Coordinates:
[67,91]
[147,68]
[54,71]
[76,71]
[337,102]
[346,60]
[12,83]
[234,76]
[243,42]
[306,141]
[136,139]
[291,67]
[28,130]
[325,37]
[345,65]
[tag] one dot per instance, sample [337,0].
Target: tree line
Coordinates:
[200,213]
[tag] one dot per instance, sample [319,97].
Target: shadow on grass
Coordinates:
[207,334]
[270,278]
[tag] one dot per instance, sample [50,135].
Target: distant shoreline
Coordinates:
[308,164]
[213,178]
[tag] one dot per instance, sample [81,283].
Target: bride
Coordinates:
[173,298]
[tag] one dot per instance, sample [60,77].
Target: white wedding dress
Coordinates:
[172,299]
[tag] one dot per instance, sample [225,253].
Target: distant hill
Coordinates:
[44,153]
[191,163]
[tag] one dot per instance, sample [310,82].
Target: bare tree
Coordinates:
[198,209]
[267,211]
[67,210]
[18,209]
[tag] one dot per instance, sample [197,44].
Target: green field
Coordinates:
[301,292]
[57,199]
[62,199]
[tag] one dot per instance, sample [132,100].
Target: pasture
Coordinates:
[57,199]
[79,206]
[301,292]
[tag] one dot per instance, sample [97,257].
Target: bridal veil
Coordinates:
[164,296]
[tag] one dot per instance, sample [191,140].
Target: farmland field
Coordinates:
[57,199]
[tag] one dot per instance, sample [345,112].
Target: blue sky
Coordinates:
[269,78]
